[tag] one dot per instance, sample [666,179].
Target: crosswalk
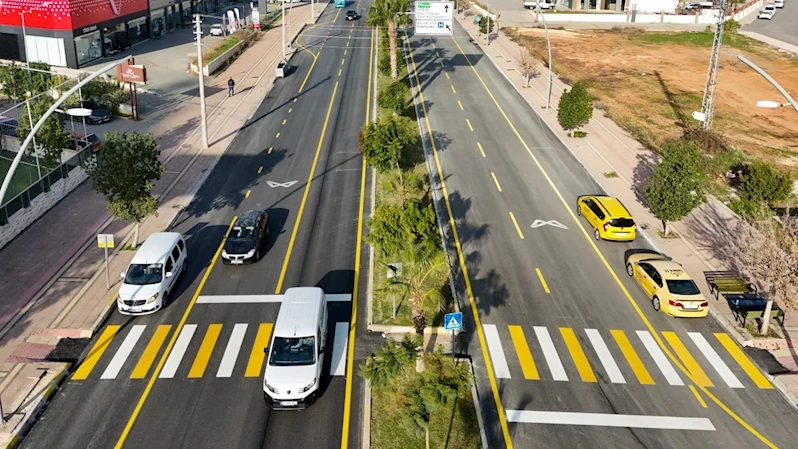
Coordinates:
[221,351]
[619,357]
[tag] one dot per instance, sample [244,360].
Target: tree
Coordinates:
[529,67]
[394,227]
[41,78]
[575,108]
[382,142]
[383,13]
[14,81]
[677,185]
[769,253]
[394,97]
[51,139]
[129,167]
[382,367]
[761,182]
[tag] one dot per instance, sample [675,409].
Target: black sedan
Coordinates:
[246,238]
[98,114]
[351,15]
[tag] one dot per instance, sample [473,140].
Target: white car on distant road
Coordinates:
[779,4]
[544,4]
[767,13]
[217,30]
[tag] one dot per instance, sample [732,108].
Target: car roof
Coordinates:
[248,218]
[156,248]
[668,269]
[298,312]
[612,205]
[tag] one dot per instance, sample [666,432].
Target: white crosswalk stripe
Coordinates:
[496,352]
[178,351]
[605,356]
[550,354]
[659,358]
[231,351]
[123,352]
[714,359]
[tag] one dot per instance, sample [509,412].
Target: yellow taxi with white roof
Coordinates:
[668,286]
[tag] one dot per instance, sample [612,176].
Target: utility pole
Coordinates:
[203,118]
[283,26]
[548,44]
[708,105]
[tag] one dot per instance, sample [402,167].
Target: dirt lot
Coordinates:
[650,83]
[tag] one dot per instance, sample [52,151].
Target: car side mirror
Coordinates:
[122,275]
[168,274]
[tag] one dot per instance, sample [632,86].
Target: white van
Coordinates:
[152,274]
[296,351]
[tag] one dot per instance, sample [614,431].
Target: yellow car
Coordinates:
[667,285]
[607,216]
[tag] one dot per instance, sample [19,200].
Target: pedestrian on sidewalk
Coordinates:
[231,85]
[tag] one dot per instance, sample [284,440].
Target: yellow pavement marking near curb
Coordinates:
[609,268]
[481,150]
[295,98]
[256,356]
[743,361]
[260,169]
[461,105]
[96,352]
[469,124]
[339,72]
[342,61]
[441,63]
[508,442]
[277,136]
[270,150]
[517,228]
[698,396]
[345,50]
[121,441]
[688,360]
[350,357]
[496,181]
[578,355]
[347,44]
[305,194]
[145,362]
[205,350]
[447,75]
[247,194]
[285,120]
[290,109]
[453,90]
[524,355]
[632,358]
[542,281]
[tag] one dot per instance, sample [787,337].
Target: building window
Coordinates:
[88,47]
[138,30]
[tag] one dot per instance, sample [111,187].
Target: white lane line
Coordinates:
[610,420]
[178,351]
[123,352]
[605,356]
[257,299]
[496,352]
[721,368]
[659,358]
[231,351]
[550,354]
[340,341]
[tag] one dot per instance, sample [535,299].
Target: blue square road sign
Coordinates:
[453,321]
[440,24]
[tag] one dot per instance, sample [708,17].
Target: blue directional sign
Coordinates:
[453,321]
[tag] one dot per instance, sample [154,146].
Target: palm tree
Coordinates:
[423,265]
[384,13]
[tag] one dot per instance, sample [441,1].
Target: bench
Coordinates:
[748,305]
[728,282]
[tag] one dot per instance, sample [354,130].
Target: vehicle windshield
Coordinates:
[682,287]
[622,222]
[242,233]
[293,351]
[144,274]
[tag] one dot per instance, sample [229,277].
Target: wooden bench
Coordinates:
[728,282]
[748,305]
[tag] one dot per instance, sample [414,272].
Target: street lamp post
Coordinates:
[283,26]
[203,118]
[548,44]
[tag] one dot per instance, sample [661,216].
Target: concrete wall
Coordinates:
[629,18]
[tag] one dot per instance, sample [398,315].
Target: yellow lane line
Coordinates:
[339,72]
[342,61]
[469,124]
[295,97]
[746,364]
[121,441]
[260,169]
[632,358]
[496,181]
[688,360]
[481,150]
[277,136]
[441,63]
[345,50]
[578,355]
[270,150]
[205,350]
[494,387]
[517,228]
[145,362]
[285,120]
[460,104]
[542,280]
[447,75]
[347,44]
[453,90]
[524,355]
[698,396]
[247,194]
[96,352]
[609,268]
[256,356]
[290,109]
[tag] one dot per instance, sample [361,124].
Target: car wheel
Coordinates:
[630,270]
[257,255]
[596,234]
[165,299]
[655,303]
[578,210]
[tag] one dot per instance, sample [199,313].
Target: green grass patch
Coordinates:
[25,175]
[696,38]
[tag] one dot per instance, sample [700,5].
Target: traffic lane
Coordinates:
[781,26]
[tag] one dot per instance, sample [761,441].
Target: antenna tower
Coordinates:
[708,105]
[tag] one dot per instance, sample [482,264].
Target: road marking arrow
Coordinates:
[273,184]
[538,223]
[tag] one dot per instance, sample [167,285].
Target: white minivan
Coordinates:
[296,351]
[152,274]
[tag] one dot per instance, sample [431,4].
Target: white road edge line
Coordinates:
[340,341]
[178,351]
[714,359]
[610,420]
[256,299]
[550,354]
[231,351]
[605,356]
[123,352]
[496,352]
[659,358]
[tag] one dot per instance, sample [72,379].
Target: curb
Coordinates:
[483,436]
[365,442]
[33,414]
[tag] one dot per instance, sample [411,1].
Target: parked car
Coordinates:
[98,114]
[246,239]
[767,13]
[778,4]
[8,126]
[81,140]
[667,285]
[217,30]
[544,4]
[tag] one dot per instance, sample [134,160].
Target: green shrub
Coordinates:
[575,108]
[109,94]
[394,97]
[761,182]
[749,210]
[483,25]
[731,26]
[383,142]
[393,228]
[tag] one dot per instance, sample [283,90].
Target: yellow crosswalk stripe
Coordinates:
[524,355]
[257,355]
[699,376]
[205,350]
[96,352]
[632,358]
[578,355]
[145,362]
[746,364]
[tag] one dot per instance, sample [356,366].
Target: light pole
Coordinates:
[282,3]
[25,36]
[200,68]
[548,44]
[769,104]
[765,75]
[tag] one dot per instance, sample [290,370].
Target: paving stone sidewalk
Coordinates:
[703,235]
[53,280]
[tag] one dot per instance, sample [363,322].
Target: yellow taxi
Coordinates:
[607,216]
[668,286]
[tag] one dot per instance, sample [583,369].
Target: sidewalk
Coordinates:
[53,275]
[703,235]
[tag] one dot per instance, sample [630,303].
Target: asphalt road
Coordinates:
[561,321]
[781,26]
[305,131]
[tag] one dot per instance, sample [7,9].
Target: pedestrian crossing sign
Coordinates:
[453,321]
